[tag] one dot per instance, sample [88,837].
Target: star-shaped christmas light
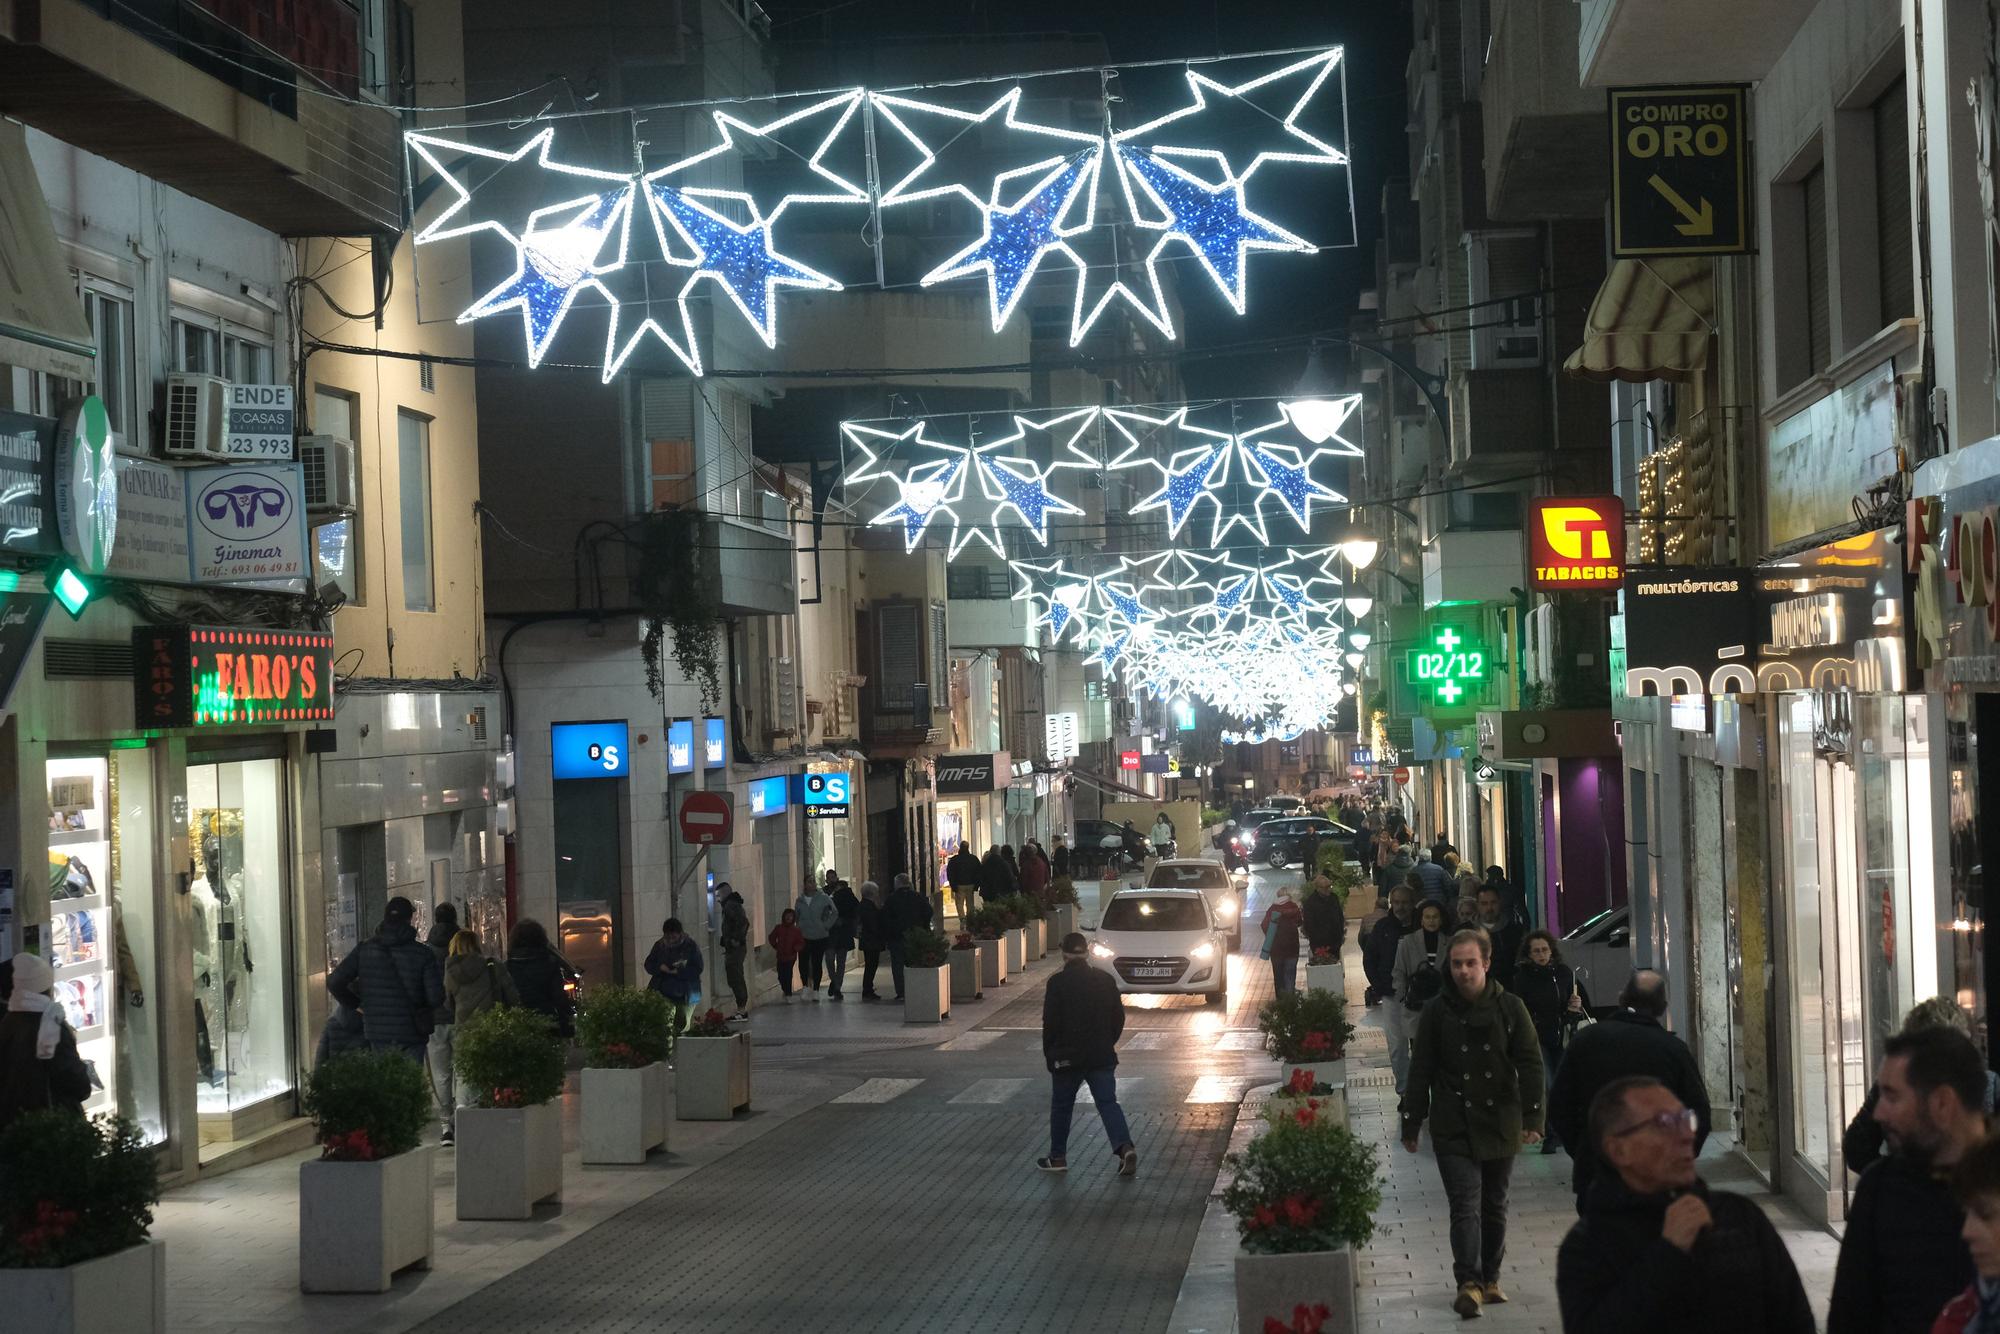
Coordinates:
[929,489]
[500,173]
[1017,239]
[739,260]
[1210,221]
[1245,116]
[1018,485]
[796,146]
[957,160]
[1191,477]
[552,266]
[1290,481]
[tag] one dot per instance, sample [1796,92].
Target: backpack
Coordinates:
[1425,984]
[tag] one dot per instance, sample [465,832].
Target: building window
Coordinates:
[204,345]
[374,47]
[985,582]
[337,542]
[109,311]
[413,444]
[196,348]
[1818,302]
[1895,261]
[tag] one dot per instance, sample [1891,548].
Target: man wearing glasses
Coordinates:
[1656,1249]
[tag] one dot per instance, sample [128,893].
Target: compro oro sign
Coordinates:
[1576,542]
[1679,171]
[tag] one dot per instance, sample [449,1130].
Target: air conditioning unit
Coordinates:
[331,484]
[195,416]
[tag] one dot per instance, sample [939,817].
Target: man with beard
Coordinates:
[1902,1258]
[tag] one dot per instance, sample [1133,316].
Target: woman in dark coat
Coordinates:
[996,882]
[538,972]
[39,1065]
[1555,1001]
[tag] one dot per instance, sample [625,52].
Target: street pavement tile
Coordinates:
[878,1090]
[990,1091]
[973,1041]
[1218,1088]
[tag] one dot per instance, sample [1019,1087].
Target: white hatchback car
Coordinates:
[1213,880]
[1163,942]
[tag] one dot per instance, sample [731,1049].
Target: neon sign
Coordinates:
[1451,669]
[196,676]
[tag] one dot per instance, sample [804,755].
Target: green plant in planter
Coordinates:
[1009,912]
[509,1057]
[985,923]
[1303,1186]
[368,1105]
[1341,873]
[711,1024]
[1304,1026]
[72,1190]
[925,948]
[1026,907]
[1063,891]
[623,1028]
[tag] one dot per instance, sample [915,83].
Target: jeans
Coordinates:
[441,1075]
[812,970]
[1552,1054]
[836,970]
[1062,1105]
[871,959]
[1285,973]
[896,966]
[739,986]
[1477,1191]
[785,967]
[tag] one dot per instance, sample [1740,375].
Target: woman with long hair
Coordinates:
[1555,1001]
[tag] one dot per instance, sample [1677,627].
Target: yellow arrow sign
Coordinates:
[1700,222]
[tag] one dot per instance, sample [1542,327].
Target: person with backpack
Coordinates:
[787,943]
[1417,977]
[735,938]
[538,973]
[395,981]
[473,984]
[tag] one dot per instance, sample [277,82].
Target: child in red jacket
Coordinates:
[789,942]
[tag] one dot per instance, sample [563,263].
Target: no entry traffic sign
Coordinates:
[706,817]
[1402,776]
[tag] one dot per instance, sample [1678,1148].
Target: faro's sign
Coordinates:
[1576,542]
[202,676]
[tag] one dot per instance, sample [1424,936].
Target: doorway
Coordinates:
[590,877]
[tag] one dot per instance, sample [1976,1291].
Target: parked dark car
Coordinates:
[1601,952]
[1284,840]
[1088,841]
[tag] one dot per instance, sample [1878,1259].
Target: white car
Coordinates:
[1213,880]
[1163,942]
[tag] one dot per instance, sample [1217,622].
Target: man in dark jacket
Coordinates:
[905,909]
[1325,919]
[39,1064]
[394,981]
[1657,1251]
[1379,942]
[444,1080]
[1474,1038]
[1629,1042]
[734,936]
[1506,933]
[870,925]
[1902,1259]
[673,966]
[961,872]
[1082,1020]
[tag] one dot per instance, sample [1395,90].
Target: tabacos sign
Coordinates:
[1576,542]
[201,676]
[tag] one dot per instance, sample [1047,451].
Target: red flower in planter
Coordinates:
[1265,1217]
[1324,954]
[1307,1114]
[1300,1211]
[507,1098]
[1320,1045]
[352,1147]
[1305,1320]
[52,1224]
[1300,1082]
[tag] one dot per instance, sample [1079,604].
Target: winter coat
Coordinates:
[1285,940]
[1393,871]
[1546,990]
[1061,862]
[816,915]
[438,942]
[995,880]
[1418,949]
[847,913]
[476,983]
[906,909]
[30,1084]
[873,929]
[1625,1043]
[391,979]
[1378,952]
[1616,1273]
[1475,1074]
[1035,876]
[787,942]
[341,1032]
[1863,1143]
[962,871]
[1082,1018]
[1325,921]
[735,925]
[1901,1258]
[1961,1316]
[538,980]
[1439,887]
[674,970]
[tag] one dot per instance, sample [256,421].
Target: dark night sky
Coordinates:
[1288,294]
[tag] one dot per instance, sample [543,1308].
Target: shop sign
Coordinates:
[1449,670]
[982,772]
[1954,561]
[825,796]
[1156,763]
[1834,617]
[27,485]
[1680,171]
[21,616]
[589,750]
[202,676]
[152,523]
[712,750]
[1361,757]
[1576,543]
[261,421]
[1059,734]
[1690,632]
[768,796]
[1129,760]
[680,746]
[247,524]
[87,485]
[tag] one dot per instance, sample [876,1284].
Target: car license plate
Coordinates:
[1154,972]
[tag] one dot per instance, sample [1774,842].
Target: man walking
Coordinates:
[444,925]
[905,909]
[1476,1074]
[1437,882]
[816,918]
[1506,933]
[1722,1267]
[1629,1042]
[1902,1258]
[1082,1020]
[962,874]
[394,981]
[735,938]
[1379,942]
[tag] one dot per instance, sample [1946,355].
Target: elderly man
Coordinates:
[1657,1251]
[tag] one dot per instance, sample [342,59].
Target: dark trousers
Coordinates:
[896,965]
[785,967]
[1285,973]
[1062,1107]
[1477,1191]
[871,959]
[836,969]
[813,969]
[739,986]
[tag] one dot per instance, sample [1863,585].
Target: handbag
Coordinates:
[1581,1019]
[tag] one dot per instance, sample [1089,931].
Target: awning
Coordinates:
[1651,320]
[41,322]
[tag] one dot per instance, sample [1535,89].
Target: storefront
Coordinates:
[835,821]
[972,805]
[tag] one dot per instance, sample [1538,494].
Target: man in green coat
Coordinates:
[1476,1075]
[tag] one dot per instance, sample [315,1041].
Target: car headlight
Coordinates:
[1102,952]
[1204,951]
[1228,904]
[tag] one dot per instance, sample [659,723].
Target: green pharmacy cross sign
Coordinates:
[1450,670]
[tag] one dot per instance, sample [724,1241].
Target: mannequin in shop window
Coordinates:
[222,963]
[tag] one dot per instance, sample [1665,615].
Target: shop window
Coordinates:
[413,442]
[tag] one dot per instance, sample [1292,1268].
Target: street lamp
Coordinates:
[1359,550]
[1313,407]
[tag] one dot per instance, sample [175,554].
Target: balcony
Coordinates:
[1691,41]
[1499,416]
[1536,116]
[193,100]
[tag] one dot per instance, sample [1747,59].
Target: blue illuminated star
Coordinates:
[1028,496]
[1289,593]
[1112,651]
[1185,486]
[1291,483]
[1210,221]
[1125,603]
[1017,239]
[922,497]
[739,260]
[551,266]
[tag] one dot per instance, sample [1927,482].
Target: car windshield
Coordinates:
[1150,913]
[1203,875]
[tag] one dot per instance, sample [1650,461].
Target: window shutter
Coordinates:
[899,651]
[940,647]
[1818,306]
[1895,261]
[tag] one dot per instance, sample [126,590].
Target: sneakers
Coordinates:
[447,1138]
[815,995]
[1491,1294]
[871,995]
[1128,1161]
[835,996]
[740,1017]
[1053,1164]
[1470,1295]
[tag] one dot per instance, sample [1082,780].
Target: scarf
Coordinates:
[32,980]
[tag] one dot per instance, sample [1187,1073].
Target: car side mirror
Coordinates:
[1619,936]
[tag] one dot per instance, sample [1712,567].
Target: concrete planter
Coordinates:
[1062,921]
[1272,1285]
[711,1077]
[1332,1106]
[359,1223]
[1038,938]
[926,994]
[1326,977]
[124,1292]
[624,1113]
[1017,950]
[993,962]
[509,1160]
[965,973]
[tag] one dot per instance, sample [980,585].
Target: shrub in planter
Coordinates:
[964,941]
[1325,954]
[1301,1027]
[1009,911]
[924,947]
[1063,891]
[72,1190]
[1303,1187]
[368,1105]
[509,1057]
[985,923]
[623,1028]
[710,1024]
[1026,907]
